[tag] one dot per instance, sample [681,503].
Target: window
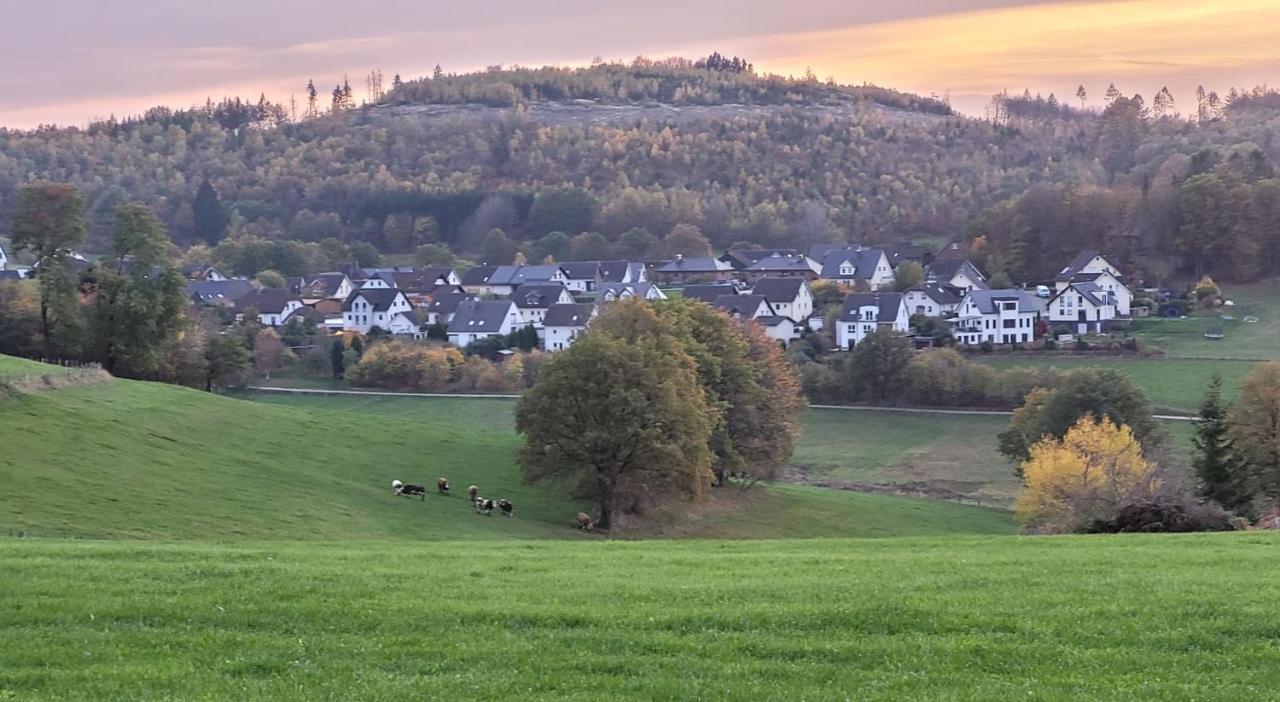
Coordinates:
[1010,323]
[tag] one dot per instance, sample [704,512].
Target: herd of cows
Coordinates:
[483,505]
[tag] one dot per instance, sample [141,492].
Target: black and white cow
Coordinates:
[505,506]
[403,490]
[484,506]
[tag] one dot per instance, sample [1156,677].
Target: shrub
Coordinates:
[986,347]
[1163,517]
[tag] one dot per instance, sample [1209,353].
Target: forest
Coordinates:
[782,161]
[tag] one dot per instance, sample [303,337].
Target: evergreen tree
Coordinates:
[437,73]
[1082,95]
[50,223]
[337,361]
[209,217]
[396,82]
[357,346]
[1218,467]
[1112,94]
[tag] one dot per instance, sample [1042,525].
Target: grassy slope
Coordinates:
[127,459]
[1136,617]
[1258,342]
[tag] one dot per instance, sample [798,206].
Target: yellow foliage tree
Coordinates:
[1095,469]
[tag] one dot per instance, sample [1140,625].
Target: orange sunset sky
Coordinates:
[84,59]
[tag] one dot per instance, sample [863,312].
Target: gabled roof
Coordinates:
[327,284]
[265,300]
[941,294]
[478,275]
[744,305]
[1081,260]
[945,270]
[774,320]
[447,303]
[887,305]
[189,270]
[986,300]
[568,315]
[613,271]
[779,289]
[619,290]
[745,258]
[797,263]
[695,264]
[819,252]
[520,275]
[1089,291]
[480,316]
[380,299]
[864,263]
[214,291]
[898,253]
[581,270]
[708,293]
[538,295]
[419,281]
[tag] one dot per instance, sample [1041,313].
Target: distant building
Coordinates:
[693,269]
[956,273]
[1084,307]
[563,324]
[1001,316]
[933,299]
[863,313]
[789,297]
[852,265]
[384,308]
[481,319]
[274,305]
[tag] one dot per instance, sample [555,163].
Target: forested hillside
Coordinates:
[447,159]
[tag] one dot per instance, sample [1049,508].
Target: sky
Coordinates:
[76,60]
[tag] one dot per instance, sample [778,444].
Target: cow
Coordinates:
[471,492]
[505,506]
[484,506]
[584,521]
[399,488]
[442,486]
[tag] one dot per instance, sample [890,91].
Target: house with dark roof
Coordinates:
[475,279]
[581,276]
[1000,316]
[851,265]
[784,266]
[1084,307]
[692,269]
[864,313]
[385,308]
[744,306]
[742,259]
[957,273]
[789,297]
[422,281]
[708,293]
[481,319]
[442,307]
[933,299]
[191,271]
[533,300]
[899,253]
[331,286]
[610,292]
[623,272]
[780,329]
[1093,267]
[218,292]
[273,305]
[563,324]
[505,279]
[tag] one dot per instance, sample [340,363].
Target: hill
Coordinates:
[924,619]
[128,459]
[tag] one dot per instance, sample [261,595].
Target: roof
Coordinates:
[581,270]
[941,294]
[887,306]
[265,300]
[213,291]
[568,315]
[380,298]
[819,252]
[744,305]
[745,258]
[778,289]
[480,316]
[519,275]
[773,320]
[447,303]
[708,293]
[864,262]
[1090,291]
[898,253]
[613,271]
[327,283]
[1081,260]
[986,299]
[617,290]
[695,264]
[537,295]
[786,263]
[423,281]
[187,270]
[478,275]
[947,269]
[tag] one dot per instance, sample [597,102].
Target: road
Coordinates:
[860,408]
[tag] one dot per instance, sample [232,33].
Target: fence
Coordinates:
[55,372]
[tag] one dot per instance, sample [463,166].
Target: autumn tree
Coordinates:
[907,275]
[227,360]
[1220,473]
[49,221]
[268,352]
[876,370]
[686,240]
[1255,426]
[618,418]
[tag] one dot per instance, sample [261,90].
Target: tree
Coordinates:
[313,106]
[497,249]
[1105,393]
[437,73]
[1088,475]
[1112,94]
[49,222]
[227,360]
[396,82]
[877,368]
[590,246]
[209,217]
[686,240]
[434,255]
[1082,95]
[637,244]
[337,358]
[357,346]
[570,210]
[269,353]
[1218,468]
[907,275]
[554,246]
[270,279]
[365,254]
[137,311]
[1255,426]
[618,418]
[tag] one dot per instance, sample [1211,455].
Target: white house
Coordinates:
[480,319]
[864,313]
[609,292]
[581,276]
[443,306]
[933,299]
[1093,267]
[1084,307]
[503,280]
[273,305]
[385,308]
[377,282]
[789,297]
[533,300]
[781,328]
[563,324]
[852,264]
[329,286]
[1001,316]
[956,273]
[744,306]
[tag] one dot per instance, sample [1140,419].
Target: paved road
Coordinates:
[906,410]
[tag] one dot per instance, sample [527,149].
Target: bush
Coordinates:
[1050,344]
[1157,517]
[986,347]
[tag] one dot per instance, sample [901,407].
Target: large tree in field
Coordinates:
[1219,471]
[137,311]
[620,419]
[1255,426]
[876,370]
[49,221]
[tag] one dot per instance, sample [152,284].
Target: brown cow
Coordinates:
[584,521]
[472,491]
[442,486]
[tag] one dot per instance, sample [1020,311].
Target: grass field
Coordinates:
[1099,618]
[140,460]
[1255,342]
